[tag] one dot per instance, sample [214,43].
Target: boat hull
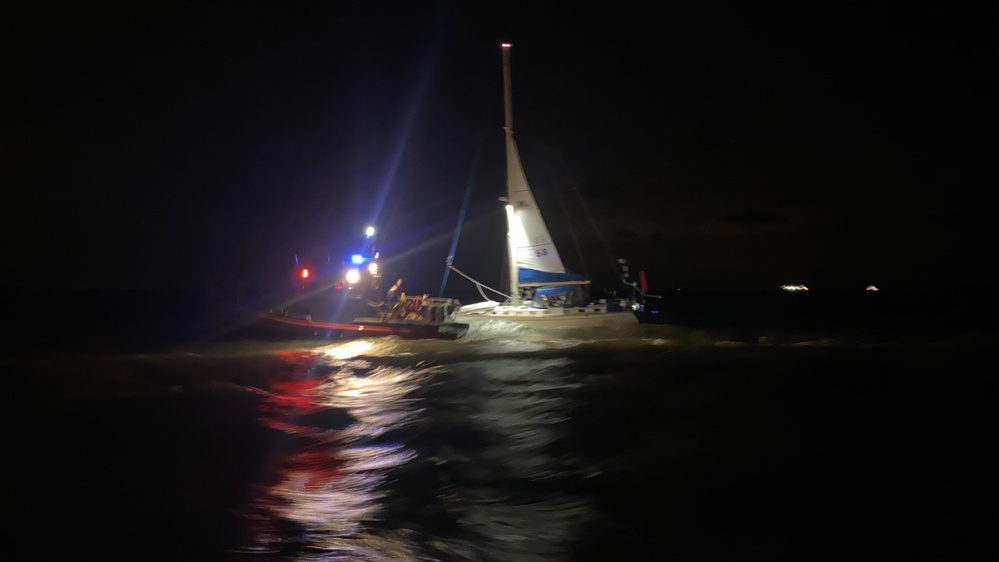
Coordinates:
[361,328]
[591,316]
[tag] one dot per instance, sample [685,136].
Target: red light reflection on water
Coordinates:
[301,358]
[311,470]
[321,487]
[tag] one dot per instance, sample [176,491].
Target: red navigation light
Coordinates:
[338,286]
[304,273]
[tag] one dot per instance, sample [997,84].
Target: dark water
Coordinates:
[746,427]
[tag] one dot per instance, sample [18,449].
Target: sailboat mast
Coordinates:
[511,157]
[507,94]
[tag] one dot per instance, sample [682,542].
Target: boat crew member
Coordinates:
[399,308]
[393,291]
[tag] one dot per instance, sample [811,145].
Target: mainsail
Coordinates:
[532,252]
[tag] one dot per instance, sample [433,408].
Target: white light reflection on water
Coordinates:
[457,460]
[412,450]
[514,501]
[349,349]
[326,481]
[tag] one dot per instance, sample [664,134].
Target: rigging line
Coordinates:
[478,285]
[589,215]
[565,211]
[461,215]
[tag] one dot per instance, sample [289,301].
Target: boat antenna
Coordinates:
[461,216]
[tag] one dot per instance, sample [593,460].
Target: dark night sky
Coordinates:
[727,145]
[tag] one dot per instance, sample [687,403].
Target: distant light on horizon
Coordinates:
[506,45]
[872,288]
[794,288]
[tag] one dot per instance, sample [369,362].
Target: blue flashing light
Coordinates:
[357,259]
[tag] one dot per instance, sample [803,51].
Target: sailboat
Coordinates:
[542,293]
